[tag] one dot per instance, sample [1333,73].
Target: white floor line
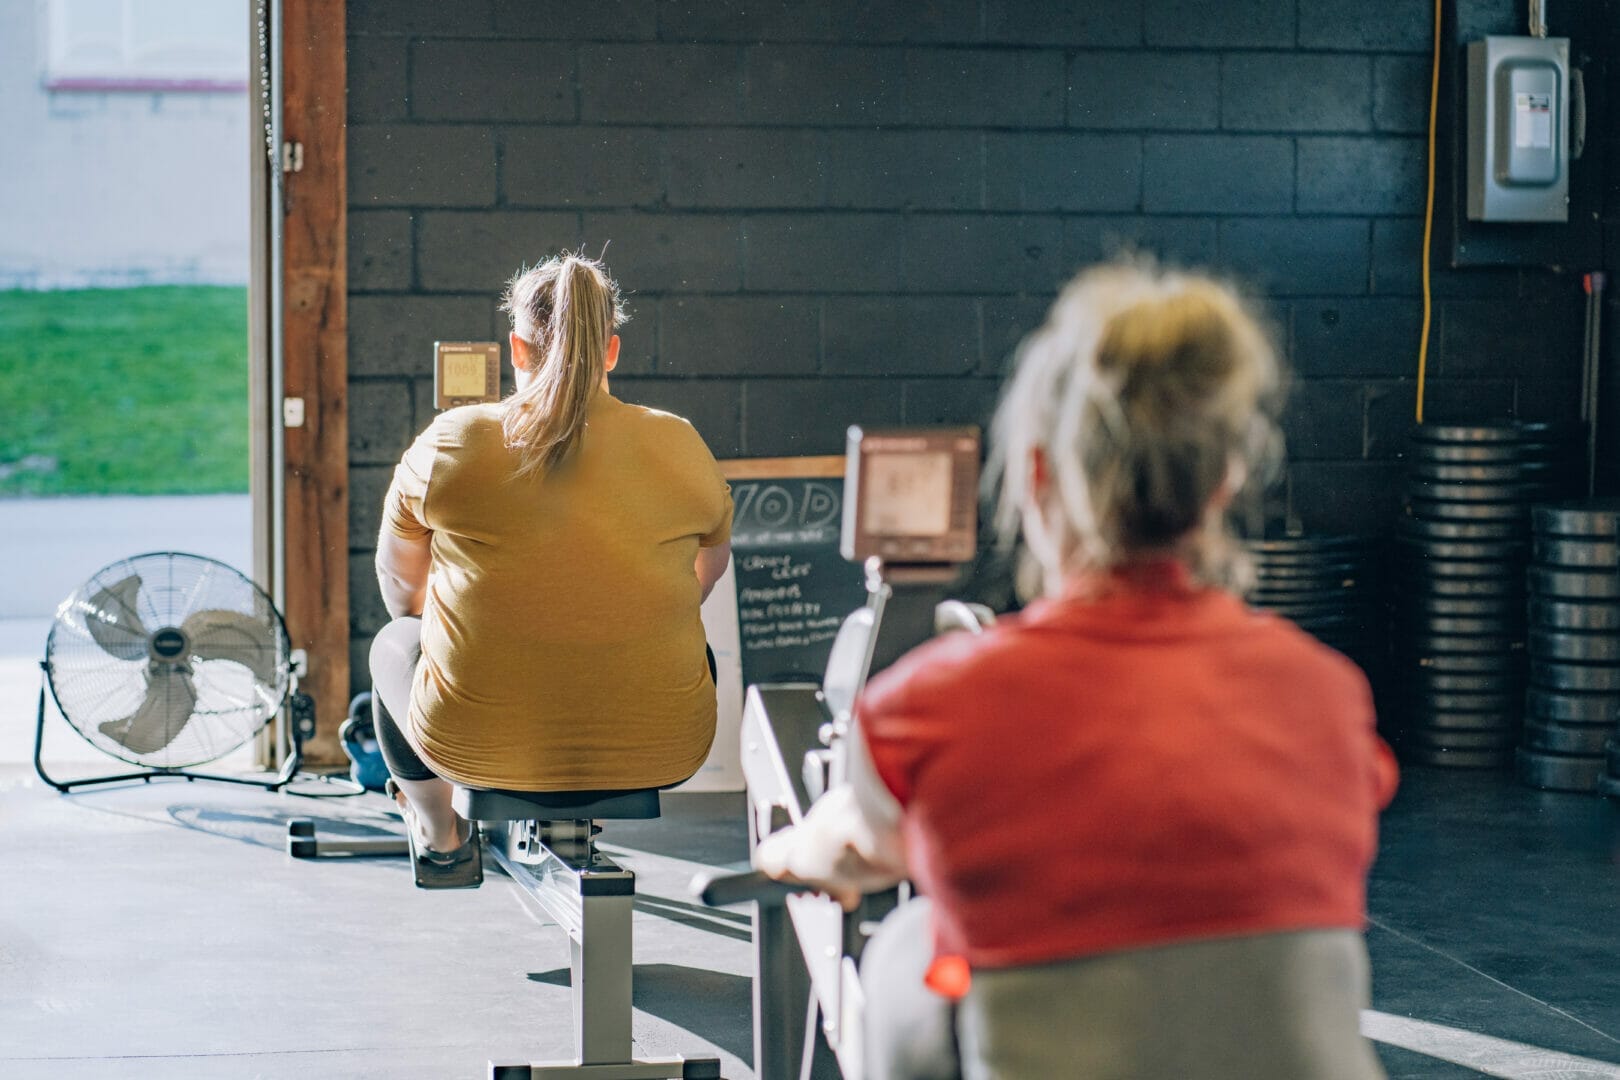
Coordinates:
[1482,1053]
[1465,964]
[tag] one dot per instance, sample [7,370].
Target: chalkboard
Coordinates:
[793,588]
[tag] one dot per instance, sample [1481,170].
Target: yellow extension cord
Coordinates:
[1428,215]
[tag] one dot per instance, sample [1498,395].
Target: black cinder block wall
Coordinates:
[848,211]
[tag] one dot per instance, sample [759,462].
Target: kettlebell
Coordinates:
[358,736]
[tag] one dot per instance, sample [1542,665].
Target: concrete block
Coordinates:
[1467,401]
[492,80]
[1142,89]
[932,402]
[381,420]
[745,167]
[1491,338]
[1298,256]
[926,170]
[420,165]
[580,166]
[961,253]
[827,20]
[599,20]
[1062,171]
[739,335]
[1007,320]
[1217,174]
[1178,241]
[900,335]
[1547,399]
[1063,22]
[669,252]
[1296,92]
[479,252]
[1361,175]
[419,17]
[713,406]
[1397,252]
[660,84]
[1390,415]
[1391,26]
[1322,419]
[366,612]
[394,335]
[639,338]
[367,486]
[1230,24]
[796,417]
[816,84]
[1347,336]
[379,250]
[828,252]
[1401,93]
[1360,497]
[984,87]
[376,79]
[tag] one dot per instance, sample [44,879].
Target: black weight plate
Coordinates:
[1565,645]
[1507,704]
[1558,675]
[1448,510]
[1559,772]
[1492,434]
[1314,571]
[1457,568]
[1414,547]
[1599,518]
[1489,607]
[1478,454]
[1456,759]
[1463,530]
[1306,545]
[1573,584]
[1573,614]
[1566,739]
[1572,707]
[1437,739]
[1464,721]
[1570,551]
[1468,644]
[1443,472]
[1305,599]
[1441,682]
[1463,588]
[1517,492]
[1458,664]
[1415,623]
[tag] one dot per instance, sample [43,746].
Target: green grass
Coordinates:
[124,391]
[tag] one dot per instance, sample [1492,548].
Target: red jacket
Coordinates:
[1139,762]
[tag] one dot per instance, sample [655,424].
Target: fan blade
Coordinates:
[170,697]
[230,635]
[110,617]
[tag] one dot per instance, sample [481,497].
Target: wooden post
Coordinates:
[315,352]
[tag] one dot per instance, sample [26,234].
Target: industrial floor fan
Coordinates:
[167,661]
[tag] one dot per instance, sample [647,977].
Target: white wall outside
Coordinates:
[115,188]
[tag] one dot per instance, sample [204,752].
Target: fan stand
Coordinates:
[284,776]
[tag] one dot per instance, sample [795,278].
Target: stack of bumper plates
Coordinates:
[1461,548]
[1326,585]
[1574,645]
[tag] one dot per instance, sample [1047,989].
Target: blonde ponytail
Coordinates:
[1148,393]
[567,308]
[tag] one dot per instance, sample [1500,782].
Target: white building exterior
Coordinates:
[126,142]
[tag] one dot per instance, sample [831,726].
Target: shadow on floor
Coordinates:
[713,1005]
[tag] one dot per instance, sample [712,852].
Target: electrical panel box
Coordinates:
[1518,129]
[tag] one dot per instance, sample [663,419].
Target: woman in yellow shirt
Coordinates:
[544,559]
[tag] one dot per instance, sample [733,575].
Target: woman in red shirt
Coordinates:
[1142,813]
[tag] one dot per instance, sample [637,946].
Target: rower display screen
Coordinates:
[911,495]
[466,373]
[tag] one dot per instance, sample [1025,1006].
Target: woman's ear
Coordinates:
[611,357]
[522,352]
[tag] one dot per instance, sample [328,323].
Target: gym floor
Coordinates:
[159,931]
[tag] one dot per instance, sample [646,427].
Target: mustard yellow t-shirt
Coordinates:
[561,643]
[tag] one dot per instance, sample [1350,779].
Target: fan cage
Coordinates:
[92,687]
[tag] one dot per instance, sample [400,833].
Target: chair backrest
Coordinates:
[476,804]
[849,661]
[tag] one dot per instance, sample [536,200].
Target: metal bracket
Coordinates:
[292,157]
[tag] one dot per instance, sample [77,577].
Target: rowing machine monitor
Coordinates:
[910,496]
[465,373]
